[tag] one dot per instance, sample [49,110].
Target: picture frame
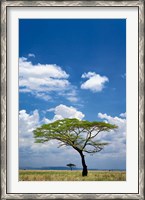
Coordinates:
[5,5]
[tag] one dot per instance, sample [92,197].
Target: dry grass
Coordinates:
[64,175]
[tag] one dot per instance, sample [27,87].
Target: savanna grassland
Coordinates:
[74,175]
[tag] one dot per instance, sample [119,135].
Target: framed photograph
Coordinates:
[72,100]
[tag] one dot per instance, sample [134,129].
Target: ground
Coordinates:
[66,175]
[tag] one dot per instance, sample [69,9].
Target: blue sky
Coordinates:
[72,68]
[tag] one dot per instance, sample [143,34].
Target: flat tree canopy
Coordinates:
[80,135]
[71,165]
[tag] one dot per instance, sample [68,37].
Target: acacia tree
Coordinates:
[71,165]
[80,135]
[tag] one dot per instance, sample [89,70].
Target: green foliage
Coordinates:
[75,133]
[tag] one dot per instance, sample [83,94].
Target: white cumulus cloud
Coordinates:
[27,123]
[123,115]
[95,82]
[115,138]
[31,55]
[41,77]
[63,111]
[42,80]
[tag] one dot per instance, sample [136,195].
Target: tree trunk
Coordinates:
[85,170]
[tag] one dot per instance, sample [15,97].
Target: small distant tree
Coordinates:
[71,165]
[80,135]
